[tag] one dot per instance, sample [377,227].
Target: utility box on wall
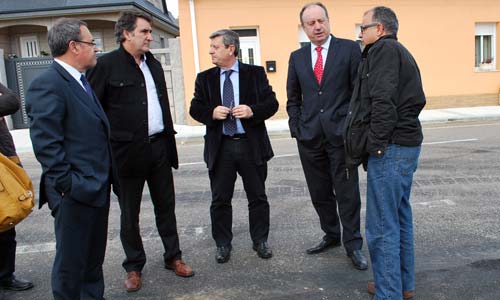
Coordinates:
[271,66]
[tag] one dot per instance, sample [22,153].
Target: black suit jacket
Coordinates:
[319,110]
[255,92]
[70,136]
[120,86]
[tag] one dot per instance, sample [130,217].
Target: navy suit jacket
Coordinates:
[255,92]
[70,136]
[319,110]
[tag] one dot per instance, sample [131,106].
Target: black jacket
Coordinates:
[9,104]
[120,86]
[389,89]
[255,92]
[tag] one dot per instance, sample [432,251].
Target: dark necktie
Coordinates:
[87,87]
[228,101]
[318,67]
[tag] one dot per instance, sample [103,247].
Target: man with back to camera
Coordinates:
[389,90]
[319,86]
[233,100]
[131,86]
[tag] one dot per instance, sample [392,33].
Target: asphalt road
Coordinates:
[456,209]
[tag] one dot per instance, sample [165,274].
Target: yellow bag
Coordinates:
[17,196]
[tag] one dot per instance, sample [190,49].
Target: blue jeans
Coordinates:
[389,224]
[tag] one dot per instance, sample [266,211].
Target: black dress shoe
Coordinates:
[325,243]
[263,250]
[223,253]
[15,284]
[358,260]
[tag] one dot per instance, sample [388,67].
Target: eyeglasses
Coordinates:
[93,44]
[365,27]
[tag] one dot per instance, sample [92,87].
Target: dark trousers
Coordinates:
[161,187]
[81,236]
[331,186]
[7,254]
[235,157]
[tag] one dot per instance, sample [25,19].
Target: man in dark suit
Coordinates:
[319,86]
[233,100]
[70,136]
[9,104]
[131,86]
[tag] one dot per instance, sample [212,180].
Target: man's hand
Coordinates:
[242,112]
[221,112]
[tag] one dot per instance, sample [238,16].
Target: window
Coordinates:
[303,39]
[29,46]
[357,31]
[249,46]
[98,40]
[485,41]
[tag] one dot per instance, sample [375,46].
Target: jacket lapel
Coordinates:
[331,60]
[81,95]
[215,87]
[244,76]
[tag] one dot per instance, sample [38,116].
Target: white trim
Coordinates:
[195,35]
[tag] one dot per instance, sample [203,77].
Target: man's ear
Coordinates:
[127,34]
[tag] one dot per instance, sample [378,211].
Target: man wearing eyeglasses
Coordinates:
[130,83]
[70,136]
[389,91]
[319,86]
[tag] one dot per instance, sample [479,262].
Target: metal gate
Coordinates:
[20,73]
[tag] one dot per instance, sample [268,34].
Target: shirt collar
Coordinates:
[235,68]
[325,46]
[70,69]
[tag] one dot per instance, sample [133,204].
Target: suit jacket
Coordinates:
[319,110]
[255,92]
[70,136]
[120,86]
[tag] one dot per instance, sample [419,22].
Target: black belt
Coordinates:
[235,137]
[155,137]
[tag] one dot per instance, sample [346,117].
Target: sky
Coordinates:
[173,7]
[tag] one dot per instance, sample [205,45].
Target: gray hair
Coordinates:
[387,17]
[128,22]
[312,4]
[64,31]
[229,37]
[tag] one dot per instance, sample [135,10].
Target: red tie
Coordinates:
[318,67]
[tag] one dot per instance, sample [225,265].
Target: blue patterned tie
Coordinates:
[228,101]
[87,87]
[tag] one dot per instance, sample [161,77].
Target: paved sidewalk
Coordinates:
[187,133]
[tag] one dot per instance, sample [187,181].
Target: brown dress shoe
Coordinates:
[407,295]
[133,282]
[180,268]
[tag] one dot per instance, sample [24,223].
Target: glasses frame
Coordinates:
[365,27]
[93,44]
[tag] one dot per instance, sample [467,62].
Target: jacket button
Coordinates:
[142,84]
[143,102]
[321,110]
[121,83]
[320,93]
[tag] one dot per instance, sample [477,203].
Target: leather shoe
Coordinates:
[263,250]
[180,268]
[325,244]
[133,282]
[358,260]
[407,295]
[15,284]
[223,253]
